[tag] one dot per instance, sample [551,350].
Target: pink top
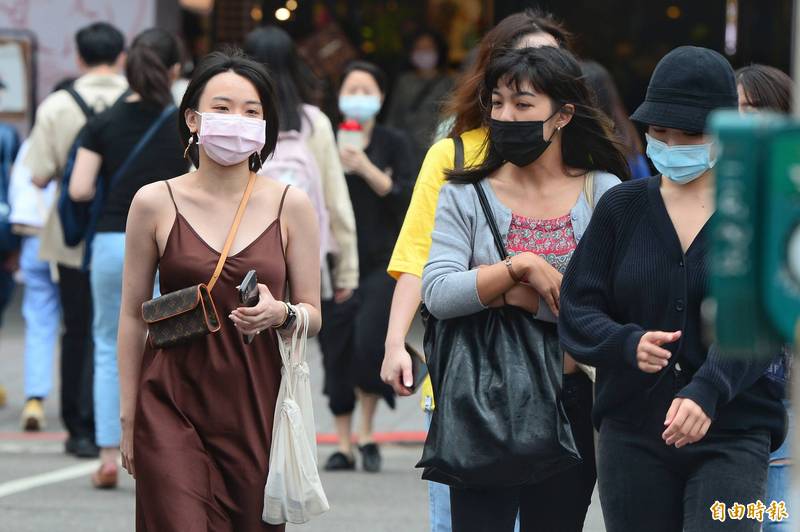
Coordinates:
[553,240]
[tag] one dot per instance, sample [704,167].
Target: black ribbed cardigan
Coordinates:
[630,275]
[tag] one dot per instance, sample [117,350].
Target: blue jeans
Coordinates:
[779,479]
[439,500]
[41,309]
[108,252]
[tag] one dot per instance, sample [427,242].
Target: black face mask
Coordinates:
[519,143]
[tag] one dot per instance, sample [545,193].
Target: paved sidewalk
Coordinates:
[392,501]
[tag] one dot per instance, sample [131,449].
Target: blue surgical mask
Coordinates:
[359,107]
[680,164]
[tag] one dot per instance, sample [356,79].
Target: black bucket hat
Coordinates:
[687,84]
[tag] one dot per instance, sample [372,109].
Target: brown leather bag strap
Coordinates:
[232,233]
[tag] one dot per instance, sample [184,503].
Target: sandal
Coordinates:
[105,478]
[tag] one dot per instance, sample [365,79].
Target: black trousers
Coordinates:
[558,504]
[646,485]
[77,365]
[352,342]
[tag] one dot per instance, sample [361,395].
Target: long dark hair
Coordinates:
[274,48]
[608,100]
[152,54]
[766,87]
[231,60]
[586,141]
[463,103]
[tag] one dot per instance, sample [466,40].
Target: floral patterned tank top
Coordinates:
[553,240]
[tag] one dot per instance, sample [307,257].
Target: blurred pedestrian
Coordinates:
[527,28]
[765,88]
[416,100]
[380,177]
[609,101]
[306,157]
[682,426]
[41,305]
[111,139]
[197,417]
[9,243]
[548,145]
[59,118]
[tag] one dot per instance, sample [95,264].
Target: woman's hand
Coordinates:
[650,356]
[540,275]
[396,369]
[354,160]
[340,295]
[126,447]
[520,295]
[685,423]
[267,313]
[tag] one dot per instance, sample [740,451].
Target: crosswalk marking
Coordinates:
[52,477]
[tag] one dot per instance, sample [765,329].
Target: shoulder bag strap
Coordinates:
[588,189]
[458,156]
[487,211]
[232,233]
[146,138]
[458,163]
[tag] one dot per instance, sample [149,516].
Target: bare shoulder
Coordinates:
[152,199]
[295,201]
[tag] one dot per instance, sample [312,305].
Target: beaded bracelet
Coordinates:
[510,267]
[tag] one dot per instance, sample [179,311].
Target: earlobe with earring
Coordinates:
[188,145]
[255,156]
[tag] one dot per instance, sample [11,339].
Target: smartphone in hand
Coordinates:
[248,296]
[419,370]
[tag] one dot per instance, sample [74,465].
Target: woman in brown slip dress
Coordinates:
[197,417]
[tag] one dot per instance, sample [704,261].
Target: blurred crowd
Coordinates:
[398,180]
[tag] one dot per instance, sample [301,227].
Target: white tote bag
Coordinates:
[293,493]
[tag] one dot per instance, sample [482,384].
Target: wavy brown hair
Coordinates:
[463,104]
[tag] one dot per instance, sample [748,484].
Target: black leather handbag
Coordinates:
[496,378]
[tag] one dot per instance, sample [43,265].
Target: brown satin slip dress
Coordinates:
[203,424]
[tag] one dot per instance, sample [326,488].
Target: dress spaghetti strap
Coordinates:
[171,196]
[283,199]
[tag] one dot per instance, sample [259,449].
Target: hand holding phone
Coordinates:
[248,296]
[419,370]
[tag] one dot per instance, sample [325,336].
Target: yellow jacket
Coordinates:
[414,243]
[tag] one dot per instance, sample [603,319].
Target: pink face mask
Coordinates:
[230,139]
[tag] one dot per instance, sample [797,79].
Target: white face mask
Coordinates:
[230,139]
